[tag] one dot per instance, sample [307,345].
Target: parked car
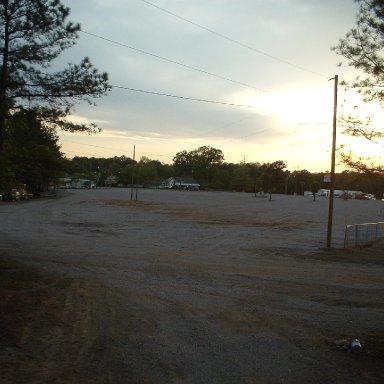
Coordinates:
[362,196]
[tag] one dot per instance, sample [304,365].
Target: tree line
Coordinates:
[207,166]
[35,101]
[32,160]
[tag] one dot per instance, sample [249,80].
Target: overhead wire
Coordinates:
[195,68]
[232,40]
[175,62]
[107,148]
[182,97]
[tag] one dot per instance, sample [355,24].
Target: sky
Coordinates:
[253,78]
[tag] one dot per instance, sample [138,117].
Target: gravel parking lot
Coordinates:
[187,287]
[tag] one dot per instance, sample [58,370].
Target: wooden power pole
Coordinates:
[333,157]
[133,171]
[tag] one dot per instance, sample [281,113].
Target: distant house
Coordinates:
[182,183]
[83,183]
[76,183]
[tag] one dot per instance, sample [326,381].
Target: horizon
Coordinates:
[251,79]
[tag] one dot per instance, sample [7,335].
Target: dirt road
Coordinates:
[187,287]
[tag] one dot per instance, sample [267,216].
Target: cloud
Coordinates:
[285,51]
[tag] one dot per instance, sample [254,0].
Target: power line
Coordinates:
[88,145]
[182,97]
[107,148]
[76,153]
[174,62]
[233,40]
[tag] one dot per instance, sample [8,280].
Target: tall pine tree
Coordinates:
[363,47]
[32,34]
[31,154]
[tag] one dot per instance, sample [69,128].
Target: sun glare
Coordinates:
[295,107]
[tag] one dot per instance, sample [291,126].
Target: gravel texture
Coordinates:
[187,287]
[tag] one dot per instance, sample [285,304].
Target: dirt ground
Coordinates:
[187,287]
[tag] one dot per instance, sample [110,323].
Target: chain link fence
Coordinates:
[359,235]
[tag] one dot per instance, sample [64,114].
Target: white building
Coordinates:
[182,183]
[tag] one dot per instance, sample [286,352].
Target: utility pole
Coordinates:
[333,157]
[133,171]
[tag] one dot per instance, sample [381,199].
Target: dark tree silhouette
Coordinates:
[363,46]
[32,34]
